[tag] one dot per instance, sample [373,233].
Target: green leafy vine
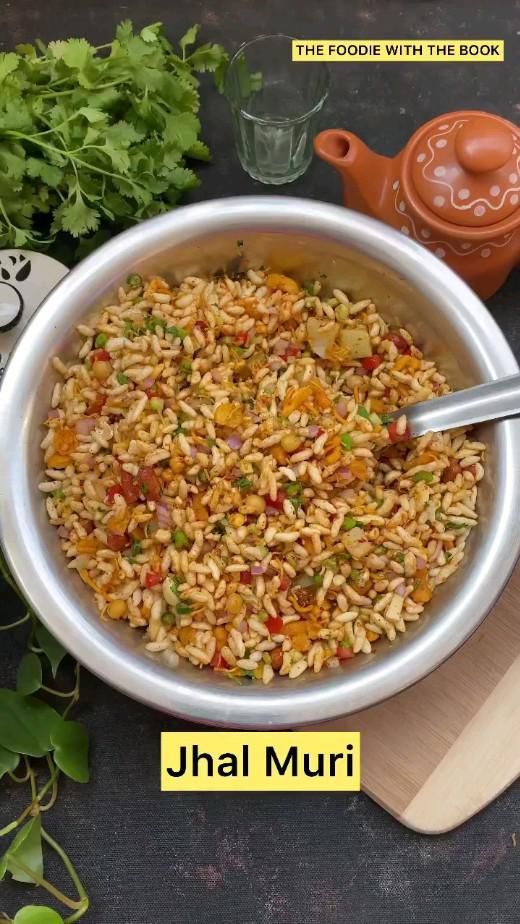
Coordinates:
[38,743]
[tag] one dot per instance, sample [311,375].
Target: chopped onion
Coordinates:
[420,562]
[345,473]
[53,413]
[149,382]
[342,407]
[280,347]
[243,626]
[400,589]
[276,364]
[163,514]
[63,532]
[193,452]
[257,569]
[85,425]
[234,441]
[314,431]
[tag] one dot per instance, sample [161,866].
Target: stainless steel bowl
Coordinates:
[304,239]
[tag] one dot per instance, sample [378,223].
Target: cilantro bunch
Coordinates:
[96,138]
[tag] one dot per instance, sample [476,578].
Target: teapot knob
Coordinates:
[482,146]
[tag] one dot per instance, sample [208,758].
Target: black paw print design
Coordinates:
[13,268]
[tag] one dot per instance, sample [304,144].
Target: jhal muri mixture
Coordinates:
[222,472]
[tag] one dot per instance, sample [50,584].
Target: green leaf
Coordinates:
[124,31]
[8,64]
[70,742]
[199,151]
[151,33]
[75,53]
[37,914]
[182,130]
[52,648]
[189,38]
[92,114]
[26,724]
[27,847]
[8,761]
[29,675]
[207,57]
[48,173]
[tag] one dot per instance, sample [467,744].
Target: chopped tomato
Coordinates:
[292,350]
[117,542]
[201,325]
[396,437]
[275,625]
[285,583]
[218,662]
[242,338]
[278,503]
[88,526]
[401,345]
[151,392]
[96,407]
[371,362]
[152,579]
[149,483]
[245,577]
[451,472]
[101,356]
[344,653]
[112,493]
[129,487]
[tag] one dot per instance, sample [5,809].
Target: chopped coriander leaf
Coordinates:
[157,404]
[101,340]
[136,548]
[168,619]
[152,323]
[346,441]
[220,527]
[59,494]
[452,525]
[399,556]
[134,280]
[296,503]
[317,580]
[180,539]
[423,476]
[183,609]
[243,483]
[386,418]
[355,575]
[362,412]
[309,287]
[293,489]
[175,583]
[211,442]
[346,643]
[122,378]
[178,333]
[349,522]
[439,514]
[185,366]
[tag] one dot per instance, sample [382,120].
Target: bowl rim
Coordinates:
[255,706]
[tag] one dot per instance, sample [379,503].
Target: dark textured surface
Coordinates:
[149,858]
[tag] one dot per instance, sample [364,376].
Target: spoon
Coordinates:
[491,401]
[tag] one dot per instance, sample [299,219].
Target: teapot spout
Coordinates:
[365,174]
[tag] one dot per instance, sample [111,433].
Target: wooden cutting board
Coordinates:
[436,754]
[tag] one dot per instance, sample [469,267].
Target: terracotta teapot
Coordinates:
[455,188]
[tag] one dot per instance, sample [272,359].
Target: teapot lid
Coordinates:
[466,168]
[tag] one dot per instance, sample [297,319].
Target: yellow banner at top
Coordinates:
[398,50]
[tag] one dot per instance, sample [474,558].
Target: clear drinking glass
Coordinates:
[275,104]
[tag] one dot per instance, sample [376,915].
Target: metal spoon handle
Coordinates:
[491,401]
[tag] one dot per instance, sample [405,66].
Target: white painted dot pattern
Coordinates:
[440,171]
[439,201]
[464,193]
[479,210]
